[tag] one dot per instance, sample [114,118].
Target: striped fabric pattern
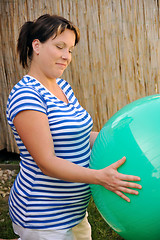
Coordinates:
[38,201]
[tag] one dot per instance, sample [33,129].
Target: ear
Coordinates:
[36,46]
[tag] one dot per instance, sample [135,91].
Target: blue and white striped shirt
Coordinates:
[38,201]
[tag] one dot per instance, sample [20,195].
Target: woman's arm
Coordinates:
[33,129]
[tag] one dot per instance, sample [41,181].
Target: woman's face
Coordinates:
[53,56]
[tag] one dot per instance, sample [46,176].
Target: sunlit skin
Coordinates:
[51,58]
[49,61]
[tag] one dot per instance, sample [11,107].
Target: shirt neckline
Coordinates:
[57,81]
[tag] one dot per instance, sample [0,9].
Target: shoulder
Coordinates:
[24,89]
[24,96]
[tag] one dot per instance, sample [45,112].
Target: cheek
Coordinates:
[50,58]
[70,59]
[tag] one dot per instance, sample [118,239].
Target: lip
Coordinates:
[61,64]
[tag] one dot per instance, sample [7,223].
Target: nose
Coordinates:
[66,55]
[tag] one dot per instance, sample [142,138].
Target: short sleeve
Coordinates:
[24,98]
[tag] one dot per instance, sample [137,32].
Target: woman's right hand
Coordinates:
[116,182]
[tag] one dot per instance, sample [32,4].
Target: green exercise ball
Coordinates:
[133,132]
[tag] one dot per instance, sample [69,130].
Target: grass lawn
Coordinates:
[100,229]
[6,231]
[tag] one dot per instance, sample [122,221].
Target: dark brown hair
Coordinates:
[42,29]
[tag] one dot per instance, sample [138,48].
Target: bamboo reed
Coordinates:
[116,62]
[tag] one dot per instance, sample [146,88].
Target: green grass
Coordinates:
[100,229]
[6,230]
[5,222]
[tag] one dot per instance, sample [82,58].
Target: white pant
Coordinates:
[32,234]
[82,231]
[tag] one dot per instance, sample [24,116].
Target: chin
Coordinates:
[54,76]
[59,75]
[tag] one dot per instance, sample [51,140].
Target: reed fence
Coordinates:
[116,62]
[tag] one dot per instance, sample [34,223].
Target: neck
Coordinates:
[42,78]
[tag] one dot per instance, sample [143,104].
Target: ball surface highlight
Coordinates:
[133,132]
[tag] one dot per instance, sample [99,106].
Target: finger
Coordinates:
[120,194]
[128,190]
[118,163]
[128,177]
[130,185]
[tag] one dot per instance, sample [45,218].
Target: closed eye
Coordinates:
[71,49]
[59,47]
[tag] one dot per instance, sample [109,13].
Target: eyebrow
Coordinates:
[63,43]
